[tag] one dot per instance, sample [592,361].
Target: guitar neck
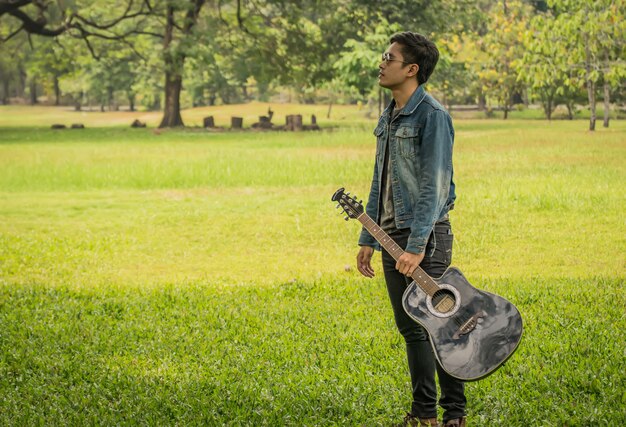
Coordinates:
[422,279]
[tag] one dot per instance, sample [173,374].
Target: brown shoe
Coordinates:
[412,421]
[457,422]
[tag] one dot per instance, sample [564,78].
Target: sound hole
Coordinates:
[443,300]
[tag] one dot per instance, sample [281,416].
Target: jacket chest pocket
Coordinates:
[407,139]
[380,140]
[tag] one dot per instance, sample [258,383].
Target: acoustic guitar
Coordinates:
[472,332]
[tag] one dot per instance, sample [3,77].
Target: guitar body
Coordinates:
[474,337]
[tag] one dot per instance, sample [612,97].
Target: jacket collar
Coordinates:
[414,101]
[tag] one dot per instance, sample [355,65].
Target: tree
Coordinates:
[592,32]
[287,43]
[451,79]
[10,58]
[120,24]
[544,66]
[46,61]
[428,17]
[273,40]
[502,50]
[357,66]
[180,19]
[84,19]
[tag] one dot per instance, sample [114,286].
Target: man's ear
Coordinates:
[413,70]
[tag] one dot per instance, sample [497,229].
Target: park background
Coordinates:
[183,275]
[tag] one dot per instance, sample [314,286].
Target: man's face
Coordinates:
[393,69]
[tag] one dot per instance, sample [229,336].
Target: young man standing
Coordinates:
[412,192]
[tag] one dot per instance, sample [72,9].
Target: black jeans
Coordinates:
[422,361]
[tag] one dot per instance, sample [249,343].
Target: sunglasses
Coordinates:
[386,58]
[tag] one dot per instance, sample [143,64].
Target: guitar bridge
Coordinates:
[469,325]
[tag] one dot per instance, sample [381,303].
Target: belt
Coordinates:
[444,218]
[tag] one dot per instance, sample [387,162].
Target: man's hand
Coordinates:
[363,261]
[408,262]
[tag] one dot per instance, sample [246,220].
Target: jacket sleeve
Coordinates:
[435,175]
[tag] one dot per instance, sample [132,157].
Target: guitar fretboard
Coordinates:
[423,280]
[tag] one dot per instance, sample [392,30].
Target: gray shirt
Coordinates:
[387,213]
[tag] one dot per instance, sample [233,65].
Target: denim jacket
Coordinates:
[420,144]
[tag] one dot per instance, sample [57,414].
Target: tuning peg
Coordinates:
[338,206]
[347,218]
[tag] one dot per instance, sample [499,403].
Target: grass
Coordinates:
[195,278]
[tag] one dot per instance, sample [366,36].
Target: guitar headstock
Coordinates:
[352,207]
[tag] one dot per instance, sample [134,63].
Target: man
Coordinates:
[412,192]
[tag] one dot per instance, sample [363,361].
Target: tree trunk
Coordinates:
[225,97]
[131,101]
[297,122]
[547,109]
[21,91]
[174,64]
[208,122]
[607,100]
[482,102]
[173,79]
[57,91]
[591,94]
[548,103]
[386,99]
[570,110]
[330,105]
[236,122]
[591,86]
[171,112]
[33,92]
[110,98]
[78,101]
[5,93]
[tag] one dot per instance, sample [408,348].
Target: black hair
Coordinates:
[417,49]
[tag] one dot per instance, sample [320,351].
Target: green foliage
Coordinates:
[148,81]
[502,51]
[592,32]
[358,64]
[451,81]
[578,45]
[544,66]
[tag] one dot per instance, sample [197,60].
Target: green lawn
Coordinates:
[196,278]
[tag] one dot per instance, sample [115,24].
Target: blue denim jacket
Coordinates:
[420,147]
